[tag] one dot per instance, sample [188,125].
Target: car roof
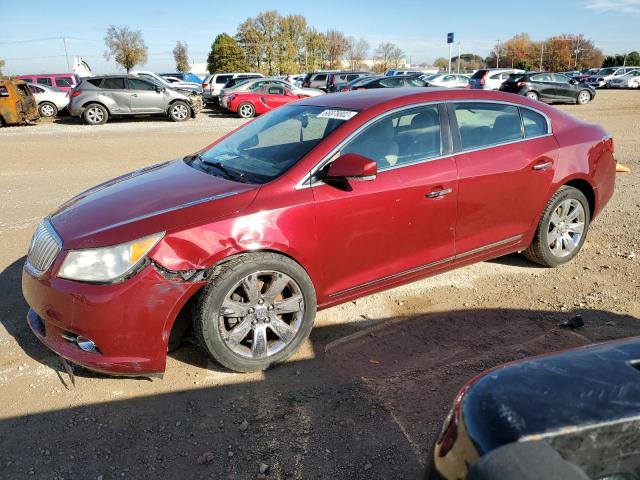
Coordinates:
[365,99]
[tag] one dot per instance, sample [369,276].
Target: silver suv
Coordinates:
[96,99]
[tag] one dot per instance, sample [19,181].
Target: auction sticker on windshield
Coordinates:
[337,114]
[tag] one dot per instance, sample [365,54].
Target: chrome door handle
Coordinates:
[542,166]
[439,193]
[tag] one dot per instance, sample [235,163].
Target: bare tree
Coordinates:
[337,46]
[388,55]
[181,56]
[126,46]
[357,52]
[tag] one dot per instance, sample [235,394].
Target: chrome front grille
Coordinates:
[45,247]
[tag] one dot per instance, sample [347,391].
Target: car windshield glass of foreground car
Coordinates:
[268,146]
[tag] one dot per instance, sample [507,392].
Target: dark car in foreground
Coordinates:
[569,415]
[549,87]
[316,203]
[97,99]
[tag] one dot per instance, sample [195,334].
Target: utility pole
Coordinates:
[498,54]
[459,48]
[66,54]
[541,54]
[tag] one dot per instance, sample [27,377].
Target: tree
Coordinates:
[226,55]
[632,58]
[250,38]
[1,65]
[126,46]
[316,46]
[181,57]
[337,46]
[357,52]
[442,63]
[291,43]
[388,55]
[267,24]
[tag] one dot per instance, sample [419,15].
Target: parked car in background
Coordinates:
[296,210]
[61,81]
[185,77]
[96,99]
[337,80]
[393,73]
[448,80]
[628,80]
[395,81]
[161,82]
[17,103]
[568,415]
[175,81]
[215,82]
[255,83]
[319,80]
[353,84]
[50,100]
[549,87]
[491,78]
[604,75]
[586,73]
[261,99]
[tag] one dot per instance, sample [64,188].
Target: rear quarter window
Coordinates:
[94,81]
[535,125]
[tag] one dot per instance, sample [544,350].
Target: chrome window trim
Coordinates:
[329,157]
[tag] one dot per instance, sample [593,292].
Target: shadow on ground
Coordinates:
[367,405]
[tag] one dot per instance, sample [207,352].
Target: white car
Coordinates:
[161,82]
[628,80]
[448,80]
[605,75]
[50,100]
[491,78]
[251,84]
[213,83]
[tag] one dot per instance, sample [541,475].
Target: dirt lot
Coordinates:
[365,396]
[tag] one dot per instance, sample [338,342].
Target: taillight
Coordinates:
[205,85]
[522,84]
[75,93]
[483,80]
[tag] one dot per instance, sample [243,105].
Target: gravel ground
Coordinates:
[366,394]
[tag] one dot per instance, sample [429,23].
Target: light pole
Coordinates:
[459,48]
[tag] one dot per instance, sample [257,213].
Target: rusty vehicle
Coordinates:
[17,104]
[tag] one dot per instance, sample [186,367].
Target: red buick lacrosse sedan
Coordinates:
[318,202]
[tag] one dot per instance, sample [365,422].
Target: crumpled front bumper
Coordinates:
[129,322]
[196,102]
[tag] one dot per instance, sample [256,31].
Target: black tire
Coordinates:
[47,110]
[179,111]
[95,114]
[246,110]
[584,97]
[209,322]
[540,250]
[532,95]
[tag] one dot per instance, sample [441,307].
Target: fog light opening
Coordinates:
[86,344]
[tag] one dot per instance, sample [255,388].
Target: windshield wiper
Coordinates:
[229,172]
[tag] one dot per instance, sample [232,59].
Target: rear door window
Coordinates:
[64,81]
[35,89]
[45,81]
[320,78]
[535,125]
[113,83]
[222,79]
[485,124]
[392,82]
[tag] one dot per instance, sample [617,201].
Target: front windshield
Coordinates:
[268,146]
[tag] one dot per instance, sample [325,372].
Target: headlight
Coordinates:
[108,263]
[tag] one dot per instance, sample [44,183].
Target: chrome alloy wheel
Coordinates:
[47,110]
[95,115]
[180,111]
[584,97]
[261,314]
[246,110]
[566,228]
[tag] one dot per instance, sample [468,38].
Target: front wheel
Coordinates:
[255,312]
[532,95]
[562,229]
[47,110]
[584,97]
[246,110]
[179,111]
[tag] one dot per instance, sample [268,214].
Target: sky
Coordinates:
[31,33]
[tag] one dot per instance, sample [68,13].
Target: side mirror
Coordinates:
[573,81]
[159,89]
[351,166]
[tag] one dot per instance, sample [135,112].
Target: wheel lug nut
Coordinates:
[261,301]
[267,320]
[270,307]
[254,322]
[251,310]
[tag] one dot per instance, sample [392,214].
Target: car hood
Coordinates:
[161,197]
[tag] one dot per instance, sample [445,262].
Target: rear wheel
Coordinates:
[246,110]
[47,110]
[255,312]
[562,229]
[179,111]
[95,114]
[584,97]
[532,95]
